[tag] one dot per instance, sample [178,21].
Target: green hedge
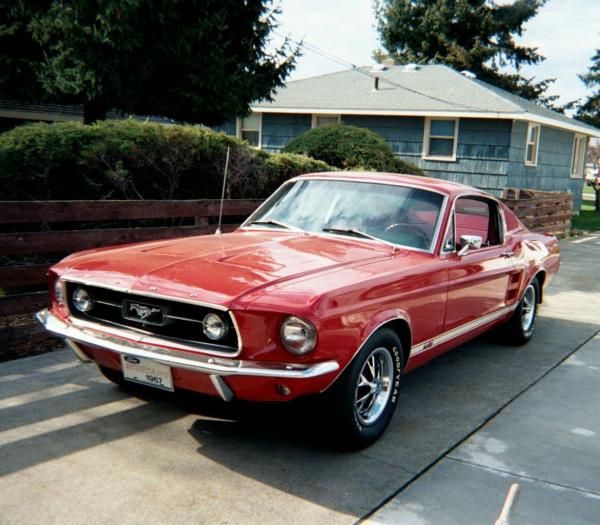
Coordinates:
[136,160]
[350,147]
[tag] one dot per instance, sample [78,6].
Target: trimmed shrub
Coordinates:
[136,160]
[349,147]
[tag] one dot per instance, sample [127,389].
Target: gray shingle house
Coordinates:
[450,124]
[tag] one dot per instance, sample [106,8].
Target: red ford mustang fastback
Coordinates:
[337,285]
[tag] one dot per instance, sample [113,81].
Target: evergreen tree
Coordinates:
[193,60]
[476,35]
[589,111]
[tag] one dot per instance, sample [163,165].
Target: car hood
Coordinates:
[217,269]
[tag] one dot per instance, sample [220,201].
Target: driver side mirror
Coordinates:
[469,242]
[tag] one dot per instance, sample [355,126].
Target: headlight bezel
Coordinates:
[294,327]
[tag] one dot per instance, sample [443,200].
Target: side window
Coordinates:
[478,216]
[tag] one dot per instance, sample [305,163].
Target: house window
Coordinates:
[325,120]
[250,129]
[578,160]
[439,141]
[533,141]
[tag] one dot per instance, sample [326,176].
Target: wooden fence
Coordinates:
[50,228]
[541,211]
[55,228]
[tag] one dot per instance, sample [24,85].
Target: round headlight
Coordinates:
[82,300]
[214,327]
[298,336]
[58,292]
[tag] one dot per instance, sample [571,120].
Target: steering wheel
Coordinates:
[410,229]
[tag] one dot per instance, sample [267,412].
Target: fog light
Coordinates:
[214,327]
[283,390]
[82,300]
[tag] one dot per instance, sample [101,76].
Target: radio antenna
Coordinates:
[218,232]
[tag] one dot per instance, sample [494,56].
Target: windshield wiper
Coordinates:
[357,233]
[274,222]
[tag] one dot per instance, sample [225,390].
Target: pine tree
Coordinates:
[193,60]
[473,35]
[589,111]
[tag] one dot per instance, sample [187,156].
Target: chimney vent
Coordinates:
[376,85]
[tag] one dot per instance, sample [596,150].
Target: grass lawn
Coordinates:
[588,189]
[588,218]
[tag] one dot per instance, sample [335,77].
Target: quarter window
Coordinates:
[250,129]
[531,147]
[577,161]
[440,139]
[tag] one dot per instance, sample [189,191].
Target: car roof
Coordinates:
[426,183]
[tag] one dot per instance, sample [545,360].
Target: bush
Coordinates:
[136,160]
[349,147]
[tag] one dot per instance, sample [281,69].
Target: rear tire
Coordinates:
[520,327]
[363,399]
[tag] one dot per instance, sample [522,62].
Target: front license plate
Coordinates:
[147,372]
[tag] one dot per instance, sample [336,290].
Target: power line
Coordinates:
[330,56]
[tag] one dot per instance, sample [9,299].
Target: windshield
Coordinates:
[396,214]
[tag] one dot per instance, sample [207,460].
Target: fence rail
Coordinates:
[55,228]
[541,211]
[32,228]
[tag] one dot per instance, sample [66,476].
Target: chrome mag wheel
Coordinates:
[374,386]
[528,308]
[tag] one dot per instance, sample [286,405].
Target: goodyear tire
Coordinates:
[365,396]
[521,325]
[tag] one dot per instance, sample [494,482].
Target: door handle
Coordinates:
[507,254]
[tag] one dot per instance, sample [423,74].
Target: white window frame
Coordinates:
[315,116]
[427,136]
[535,144]
[578,158]
[239,129]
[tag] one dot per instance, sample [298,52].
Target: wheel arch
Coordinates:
[402,330]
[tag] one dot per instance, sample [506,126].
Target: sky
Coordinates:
[566,32]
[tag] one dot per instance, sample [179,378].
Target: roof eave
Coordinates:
[523,116]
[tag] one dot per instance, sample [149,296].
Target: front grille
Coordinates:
[172,320]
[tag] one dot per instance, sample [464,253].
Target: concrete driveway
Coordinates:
[76,449]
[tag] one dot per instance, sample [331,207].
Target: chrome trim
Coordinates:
[221,387]
[461,330]
[143,293]
[181,359]
[205,347]
[246,225]
[129,332]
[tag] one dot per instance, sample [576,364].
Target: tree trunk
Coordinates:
[94,110]
[597,200]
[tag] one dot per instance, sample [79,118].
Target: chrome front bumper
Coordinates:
[215,366]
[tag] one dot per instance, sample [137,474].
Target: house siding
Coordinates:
[552,172]
[490,152]
[279,128]
[482,150]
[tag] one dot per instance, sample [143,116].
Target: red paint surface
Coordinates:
[347,287]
